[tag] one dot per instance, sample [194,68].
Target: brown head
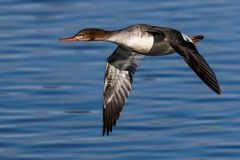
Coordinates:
[91,34]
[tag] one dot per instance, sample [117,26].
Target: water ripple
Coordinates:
[51,92]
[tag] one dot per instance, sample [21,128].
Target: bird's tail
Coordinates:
[196,38]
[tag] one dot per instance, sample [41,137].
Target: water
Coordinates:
[51,91]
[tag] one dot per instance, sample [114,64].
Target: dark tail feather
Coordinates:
[196,38]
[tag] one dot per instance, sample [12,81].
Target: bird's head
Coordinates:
[90,34]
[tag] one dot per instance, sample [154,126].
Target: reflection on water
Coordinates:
[51,92]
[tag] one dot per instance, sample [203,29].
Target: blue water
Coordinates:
[51,91]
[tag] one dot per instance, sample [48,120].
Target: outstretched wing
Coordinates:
[120,68]
[184,46]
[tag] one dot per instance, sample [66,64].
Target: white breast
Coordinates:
[141,44]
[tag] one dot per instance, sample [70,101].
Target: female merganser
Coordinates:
[133,43]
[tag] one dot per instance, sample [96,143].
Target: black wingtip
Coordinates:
[214,86]
[106,127]
[103,130]
[218,92]
[215,89]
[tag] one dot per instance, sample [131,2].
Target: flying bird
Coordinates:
[134,43]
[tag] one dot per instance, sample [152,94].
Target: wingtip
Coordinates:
[218,91]
[103,130]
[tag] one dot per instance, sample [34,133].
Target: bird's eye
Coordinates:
[83,34]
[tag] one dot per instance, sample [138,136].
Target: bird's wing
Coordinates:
[120,68]
[184,46]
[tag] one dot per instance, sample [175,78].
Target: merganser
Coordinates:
[134,42]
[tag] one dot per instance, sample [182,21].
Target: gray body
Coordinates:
[136,38]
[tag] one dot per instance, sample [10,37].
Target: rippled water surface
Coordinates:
[51,91]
